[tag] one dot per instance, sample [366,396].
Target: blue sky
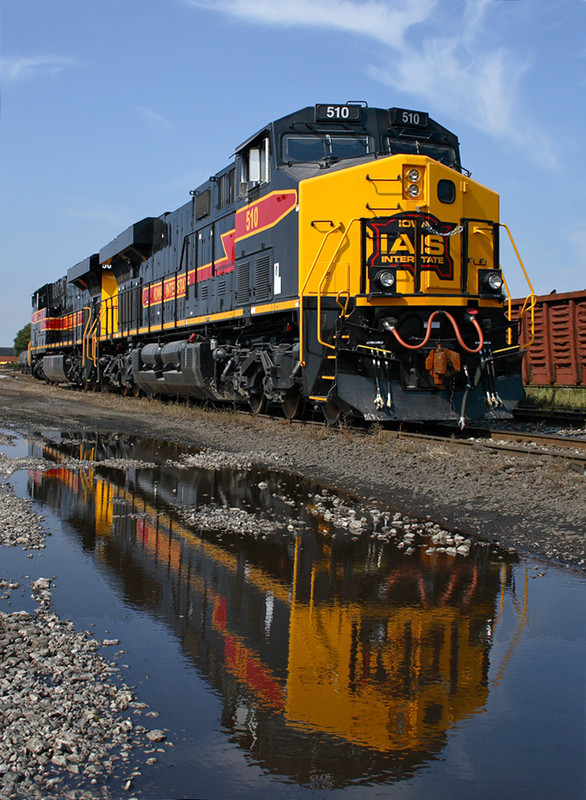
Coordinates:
[112,110]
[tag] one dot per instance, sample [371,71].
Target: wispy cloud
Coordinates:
[462,72]
[155,120]
[380,19]
[20,69]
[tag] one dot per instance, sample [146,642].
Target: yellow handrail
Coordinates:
[85,330]
[325,276]
[334,229]
[531,297]
[94,339]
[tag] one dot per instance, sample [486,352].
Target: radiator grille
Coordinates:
[243,282]
[262,282]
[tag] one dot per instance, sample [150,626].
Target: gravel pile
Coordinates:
[63,730]
[19,525]
[212,459]
[65,714]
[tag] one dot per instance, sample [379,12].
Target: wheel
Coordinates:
[331,412]
[257,402]
[293,404]
[135,390]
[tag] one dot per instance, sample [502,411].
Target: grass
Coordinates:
[566,397]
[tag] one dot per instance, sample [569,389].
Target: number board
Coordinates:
[346,113]
[408,117]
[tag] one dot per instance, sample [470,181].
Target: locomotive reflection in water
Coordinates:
[346,652]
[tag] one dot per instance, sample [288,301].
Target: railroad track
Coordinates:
[532,444]
[504,441]
[558,415]
[528,444]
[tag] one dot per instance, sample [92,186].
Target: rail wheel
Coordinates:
[257,402]
[293,404]
[331,412]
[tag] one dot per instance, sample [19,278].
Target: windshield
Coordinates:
[316,147]
[440,152]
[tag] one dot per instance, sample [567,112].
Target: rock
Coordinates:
[156,736]
[41,584]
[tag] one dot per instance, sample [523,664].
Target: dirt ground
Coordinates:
[535,505]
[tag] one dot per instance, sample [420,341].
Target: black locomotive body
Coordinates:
[343,261]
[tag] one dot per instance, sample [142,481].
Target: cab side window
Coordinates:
[254,166]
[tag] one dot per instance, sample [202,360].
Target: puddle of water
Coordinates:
[310,661]
[14,445]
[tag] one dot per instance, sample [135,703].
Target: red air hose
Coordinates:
[425,339]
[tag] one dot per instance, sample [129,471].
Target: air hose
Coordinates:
[461,342]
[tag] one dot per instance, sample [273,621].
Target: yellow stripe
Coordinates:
[412,300]
[283,306]
[193,321]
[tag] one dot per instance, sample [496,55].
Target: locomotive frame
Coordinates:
[344,260]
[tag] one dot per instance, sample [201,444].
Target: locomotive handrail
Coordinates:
[336,228]
[91,339]
[384,208]
[530,300]
[383,180]
[84,334]
[343,307]
[97,321]
[325,276]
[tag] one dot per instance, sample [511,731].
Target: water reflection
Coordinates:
[334,658]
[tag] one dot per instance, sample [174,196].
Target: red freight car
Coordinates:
[557,355]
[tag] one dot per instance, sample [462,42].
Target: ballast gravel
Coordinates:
[65,724]
[64,711]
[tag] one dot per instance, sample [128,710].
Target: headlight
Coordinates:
[494,281]
[413,175]
[413,190]
[386,279]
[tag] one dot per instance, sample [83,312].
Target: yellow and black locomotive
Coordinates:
[343,261]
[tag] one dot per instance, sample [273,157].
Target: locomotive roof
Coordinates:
[406,123]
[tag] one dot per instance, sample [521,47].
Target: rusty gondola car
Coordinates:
[343,261]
